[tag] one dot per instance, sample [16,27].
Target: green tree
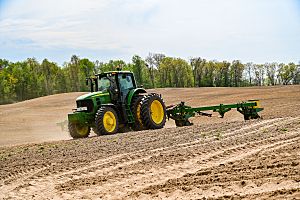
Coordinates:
[237,69]
[86,69]
[176,73]
[197,65]
[222,73]
[74,73]
[7,82]
[49,71]
[153,61]
[112,65]
[287,72]
[138,68]
[209,74]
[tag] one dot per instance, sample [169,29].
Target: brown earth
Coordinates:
[213,159]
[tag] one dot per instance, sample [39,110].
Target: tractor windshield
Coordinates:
[103,83]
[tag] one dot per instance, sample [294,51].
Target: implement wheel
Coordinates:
[106,121]
[136,111]
[77,130]
[153,111]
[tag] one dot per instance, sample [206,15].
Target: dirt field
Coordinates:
[214,159]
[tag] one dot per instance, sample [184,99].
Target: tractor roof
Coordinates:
[114,72]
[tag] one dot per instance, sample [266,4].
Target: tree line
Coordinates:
[30,79]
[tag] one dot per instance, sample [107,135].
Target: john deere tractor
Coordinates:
[116,104]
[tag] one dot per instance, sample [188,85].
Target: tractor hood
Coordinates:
[92,95]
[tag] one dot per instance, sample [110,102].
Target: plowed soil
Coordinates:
[215,158]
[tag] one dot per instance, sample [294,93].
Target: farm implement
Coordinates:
[181,112]
[116,104]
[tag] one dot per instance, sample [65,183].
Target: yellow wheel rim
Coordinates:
[109,121]
[157,112]
[82,130]
[138,113]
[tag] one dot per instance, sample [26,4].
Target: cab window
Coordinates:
[103,83]
[125,81]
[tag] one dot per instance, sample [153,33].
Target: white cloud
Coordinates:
[74,24]
[233,29]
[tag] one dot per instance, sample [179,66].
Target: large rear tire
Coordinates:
[153,111]
[77,130]
[136,111]
[106,121]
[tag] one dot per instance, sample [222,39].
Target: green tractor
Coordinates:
[116,104]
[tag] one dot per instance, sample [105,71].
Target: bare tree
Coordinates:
[150,65]
[249,72]
[153,60]
[259,72]
[271,69]
[74,73]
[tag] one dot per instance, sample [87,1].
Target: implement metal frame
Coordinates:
[181,112]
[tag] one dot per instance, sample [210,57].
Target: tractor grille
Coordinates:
[85,103]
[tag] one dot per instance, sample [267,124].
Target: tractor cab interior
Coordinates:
[117,84]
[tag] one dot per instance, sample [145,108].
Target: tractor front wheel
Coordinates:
[77,130]
[153,111]
[106,121]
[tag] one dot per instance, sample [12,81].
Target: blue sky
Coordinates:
[249,30]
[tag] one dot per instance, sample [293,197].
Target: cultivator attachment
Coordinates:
[181,112]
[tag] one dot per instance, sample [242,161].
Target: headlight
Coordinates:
[82,109]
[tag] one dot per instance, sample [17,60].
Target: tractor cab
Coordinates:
[117,83]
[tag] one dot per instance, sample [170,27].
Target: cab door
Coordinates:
[126,83]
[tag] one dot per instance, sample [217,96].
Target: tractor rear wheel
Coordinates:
[153,111]
[106,121]
[77,130]
[136,111]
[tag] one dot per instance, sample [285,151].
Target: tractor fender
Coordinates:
[134,92]
[112,106]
